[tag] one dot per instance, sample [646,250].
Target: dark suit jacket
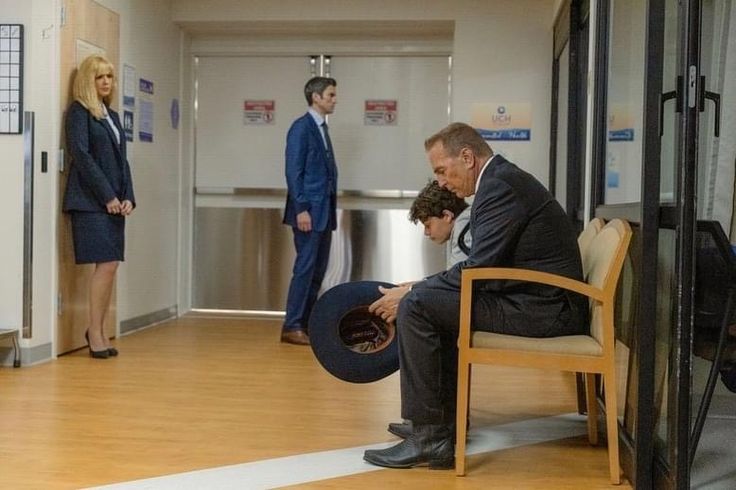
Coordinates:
[515,222]
[311,176]
[99,170]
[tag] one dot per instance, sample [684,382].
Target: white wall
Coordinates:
[40,97]
[150,42]
[502,50]
[11,201]
[148,281]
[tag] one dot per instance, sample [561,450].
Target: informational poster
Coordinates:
[621,131]
[612,170]
[128,124]
[11,78]
[145,133]
[129,79]
[503,122]
[380,113]
[259,112]
[620,123]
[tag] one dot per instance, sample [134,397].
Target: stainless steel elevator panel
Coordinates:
[243,256]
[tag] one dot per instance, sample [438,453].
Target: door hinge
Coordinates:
[59,303]
[62,16]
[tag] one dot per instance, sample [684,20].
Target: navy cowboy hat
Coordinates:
[350,342]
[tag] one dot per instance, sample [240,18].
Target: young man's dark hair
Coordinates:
[317,85]
[432,201]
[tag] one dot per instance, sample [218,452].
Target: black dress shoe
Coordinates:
[112,351]
[99,354]
[96,354]
[400,429]
[429,444]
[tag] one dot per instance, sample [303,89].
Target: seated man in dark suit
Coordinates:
[515,222]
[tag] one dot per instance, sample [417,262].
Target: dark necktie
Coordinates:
[328,141]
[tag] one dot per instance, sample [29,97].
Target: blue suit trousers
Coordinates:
[310,265]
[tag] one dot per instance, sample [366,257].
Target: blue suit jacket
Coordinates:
[515,222]
[311,176]
[99,170]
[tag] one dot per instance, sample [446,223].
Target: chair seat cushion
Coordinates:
[583,345]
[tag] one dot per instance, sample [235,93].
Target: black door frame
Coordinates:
[675,473]
[642,466]
[637,446]
[571,28]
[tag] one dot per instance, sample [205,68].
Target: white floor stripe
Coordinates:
[302,468]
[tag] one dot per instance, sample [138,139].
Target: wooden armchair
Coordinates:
[590,354]
[586,237]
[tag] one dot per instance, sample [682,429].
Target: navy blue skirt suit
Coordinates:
[99,173]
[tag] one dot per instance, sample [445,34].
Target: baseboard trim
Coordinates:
[28,355]
[142,321]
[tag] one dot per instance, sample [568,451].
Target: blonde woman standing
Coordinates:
[99,192]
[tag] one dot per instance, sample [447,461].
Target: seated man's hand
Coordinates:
[407,283]
[387,306]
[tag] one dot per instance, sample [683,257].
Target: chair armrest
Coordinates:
[470,275]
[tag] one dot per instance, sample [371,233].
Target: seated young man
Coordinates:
[445,218]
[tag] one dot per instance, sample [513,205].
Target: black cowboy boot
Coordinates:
[404,429]
[428,444]
[401,429]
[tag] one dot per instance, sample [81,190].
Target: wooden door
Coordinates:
[88,27]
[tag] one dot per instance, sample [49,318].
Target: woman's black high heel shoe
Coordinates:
[97,354]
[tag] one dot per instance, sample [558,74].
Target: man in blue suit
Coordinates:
[311,179]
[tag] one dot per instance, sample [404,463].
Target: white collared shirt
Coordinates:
[485,166]
[111,123]
[319,119]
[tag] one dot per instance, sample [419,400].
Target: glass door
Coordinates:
[661,165]
[674,254]
[692,66]
[710,450]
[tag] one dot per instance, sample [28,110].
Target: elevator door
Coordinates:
[242,253]
[234,152]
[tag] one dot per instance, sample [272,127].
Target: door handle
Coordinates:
[716,98]
[674,94]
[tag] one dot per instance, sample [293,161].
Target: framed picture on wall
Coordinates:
[11,78]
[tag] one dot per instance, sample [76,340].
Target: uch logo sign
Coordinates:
[503,122]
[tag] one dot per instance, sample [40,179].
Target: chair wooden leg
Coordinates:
[580,387]
[463,395]
[592,406]
[609,390]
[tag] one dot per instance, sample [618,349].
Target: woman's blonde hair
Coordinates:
[85,90]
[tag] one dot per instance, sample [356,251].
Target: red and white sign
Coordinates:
[259,112]
[380,113]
